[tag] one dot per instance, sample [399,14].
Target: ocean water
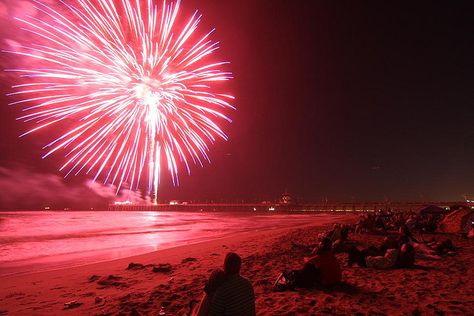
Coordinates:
[33,241]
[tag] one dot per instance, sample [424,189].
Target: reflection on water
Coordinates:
[29,240]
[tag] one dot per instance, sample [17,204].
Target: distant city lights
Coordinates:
[123,203]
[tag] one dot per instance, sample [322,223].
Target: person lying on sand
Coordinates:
[235,296]
[434,250]
[358,256]
[322,268]
[386,261]
[391,257]
[443,247]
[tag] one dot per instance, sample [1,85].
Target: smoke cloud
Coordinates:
[21,188]
[110,192]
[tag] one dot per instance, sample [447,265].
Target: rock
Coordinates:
[72,304]
[94,278]
[98,299]
[111,280]
[189,259]
[135,266]
[163,268]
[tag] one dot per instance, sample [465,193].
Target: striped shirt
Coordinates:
[234,298]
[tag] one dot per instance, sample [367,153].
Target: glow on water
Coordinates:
[42,240]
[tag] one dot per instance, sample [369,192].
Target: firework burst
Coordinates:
[135,89]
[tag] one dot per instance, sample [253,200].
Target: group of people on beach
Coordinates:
[228,293]
[385,221]
[320,269]
[399,249]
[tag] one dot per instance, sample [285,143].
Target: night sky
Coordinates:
[345,100]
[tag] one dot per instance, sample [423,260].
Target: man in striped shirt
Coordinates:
[235,297]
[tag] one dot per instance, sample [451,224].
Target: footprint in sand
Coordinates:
[15,294]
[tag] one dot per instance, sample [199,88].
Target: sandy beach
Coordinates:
[167,280]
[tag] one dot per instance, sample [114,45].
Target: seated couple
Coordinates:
[321,269]
[227,292]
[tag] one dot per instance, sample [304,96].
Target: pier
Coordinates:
[279,207]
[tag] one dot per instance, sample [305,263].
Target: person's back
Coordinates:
[235,296]
[330,270]
[406,257]
[327,263]
[216,279]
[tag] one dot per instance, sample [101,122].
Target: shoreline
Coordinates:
[147,254]
[83,258]
[19,294]
[109,288]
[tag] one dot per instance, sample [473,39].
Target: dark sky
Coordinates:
[364,100]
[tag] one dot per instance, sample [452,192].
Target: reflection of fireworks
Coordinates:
[136,89]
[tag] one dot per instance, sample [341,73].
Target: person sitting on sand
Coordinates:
[321,268]
[235,296]
[338,237]
[216,279]
[344,233]
[406,257]
[405,234]
[335,234]
[360,225]
[379,224]
[329,268]
[357,256]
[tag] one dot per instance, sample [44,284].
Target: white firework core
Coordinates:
[135,88]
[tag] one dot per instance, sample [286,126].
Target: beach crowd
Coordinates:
[226,292]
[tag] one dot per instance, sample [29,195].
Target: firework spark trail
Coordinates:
[135,88]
